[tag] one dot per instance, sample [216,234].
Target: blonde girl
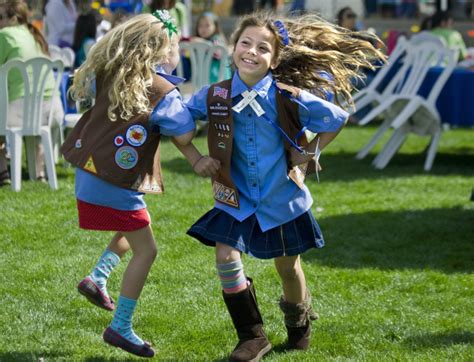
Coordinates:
[284,71]
[115,149]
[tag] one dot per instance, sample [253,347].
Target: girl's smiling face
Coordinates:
[254,54]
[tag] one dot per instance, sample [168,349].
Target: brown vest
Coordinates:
[220,138]
[124,153]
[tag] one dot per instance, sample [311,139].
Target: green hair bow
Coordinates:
[165,17]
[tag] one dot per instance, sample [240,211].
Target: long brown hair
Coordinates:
[315,47]
[19,9]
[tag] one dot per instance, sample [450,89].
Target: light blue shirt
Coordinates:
[173,119]
[259,166]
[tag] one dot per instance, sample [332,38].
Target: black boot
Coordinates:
[298,319]
[243,309]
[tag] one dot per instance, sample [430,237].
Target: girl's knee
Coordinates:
[226,254]
[288,269]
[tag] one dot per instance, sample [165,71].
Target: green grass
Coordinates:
[394,281]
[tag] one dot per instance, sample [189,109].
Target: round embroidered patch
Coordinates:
[118,141]
[136,135]
[78,143]
[126,157]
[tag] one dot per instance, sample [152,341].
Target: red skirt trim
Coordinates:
[95,217]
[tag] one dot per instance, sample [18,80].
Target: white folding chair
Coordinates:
[55,52]
[375,92]
[420,116]
[404,101]
[32,127]
[201,55]
[426,36]
[68,57]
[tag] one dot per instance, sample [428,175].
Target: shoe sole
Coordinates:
[262,353]
[90,291]
[116,340]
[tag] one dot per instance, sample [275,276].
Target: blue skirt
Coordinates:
[291,238]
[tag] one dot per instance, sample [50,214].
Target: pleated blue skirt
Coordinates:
[292,238]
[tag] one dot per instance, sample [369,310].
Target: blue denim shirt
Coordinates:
[259,166]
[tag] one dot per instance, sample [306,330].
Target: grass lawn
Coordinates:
[394,281]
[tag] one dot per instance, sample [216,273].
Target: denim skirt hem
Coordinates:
[289,239]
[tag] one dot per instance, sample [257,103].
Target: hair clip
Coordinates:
[282,31]
[165,17]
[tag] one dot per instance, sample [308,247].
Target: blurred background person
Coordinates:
[19,39]
[262,4]
[60,21]
[442,26]
[208,30]
[84,36]
[347,18]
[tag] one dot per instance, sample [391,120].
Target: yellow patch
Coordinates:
[89,166]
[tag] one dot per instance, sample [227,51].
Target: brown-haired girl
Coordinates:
[283,70]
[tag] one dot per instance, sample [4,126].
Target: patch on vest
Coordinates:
[118,141]
[136,135]
[224,194]
[220,92]
[89,166]
[222,129]
[219,110]
[126,157]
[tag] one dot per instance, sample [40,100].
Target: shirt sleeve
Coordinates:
[319,115]
[3,49]
[197,104]
[171,115]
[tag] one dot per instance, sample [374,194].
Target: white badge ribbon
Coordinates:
[249,99]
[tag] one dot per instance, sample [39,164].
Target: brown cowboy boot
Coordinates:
[298,319]
[243,309]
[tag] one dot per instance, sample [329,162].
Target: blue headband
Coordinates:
[282,31]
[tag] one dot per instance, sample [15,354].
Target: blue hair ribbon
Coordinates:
[282,31]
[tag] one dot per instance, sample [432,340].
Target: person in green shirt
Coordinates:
[442,27]
[19,39]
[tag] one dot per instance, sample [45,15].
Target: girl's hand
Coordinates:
[206,166]
[294,91]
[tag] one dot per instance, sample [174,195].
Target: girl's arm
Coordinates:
[184,139]
[202,165]
[324,139]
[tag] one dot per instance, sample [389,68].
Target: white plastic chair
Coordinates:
[372,93]
[405,103]
[426,36]
[420,117]
[201,55]
[32,126]
[55,52]
[66,55]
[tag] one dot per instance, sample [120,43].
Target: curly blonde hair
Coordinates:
[126,58]
[316,47]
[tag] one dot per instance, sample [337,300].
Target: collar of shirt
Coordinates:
[173,79]
[262,87]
